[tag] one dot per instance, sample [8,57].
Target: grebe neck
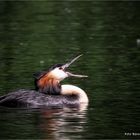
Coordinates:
[48,85]
[73,90]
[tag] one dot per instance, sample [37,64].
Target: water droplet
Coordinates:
[67,10]
[21,43]
[138,41]
[42,61]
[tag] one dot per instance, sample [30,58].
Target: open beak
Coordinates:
[65,66]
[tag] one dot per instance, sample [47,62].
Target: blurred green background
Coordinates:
[34,35]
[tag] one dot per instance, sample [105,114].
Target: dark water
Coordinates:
[35,35]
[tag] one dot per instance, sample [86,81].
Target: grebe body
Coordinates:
[48,92]
[33,99]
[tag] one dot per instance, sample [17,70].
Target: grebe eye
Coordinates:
[60,68]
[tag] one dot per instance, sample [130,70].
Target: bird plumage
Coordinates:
[33,99]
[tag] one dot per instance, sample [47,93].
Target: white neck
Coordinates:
[70,89]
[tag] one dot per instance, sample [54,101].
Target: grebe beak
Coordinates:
[65,66]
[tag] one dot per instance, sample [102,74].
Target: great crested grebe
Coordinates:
[49,92]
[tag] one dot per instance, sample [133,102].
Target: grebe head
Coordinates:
[54,75]
[59,71]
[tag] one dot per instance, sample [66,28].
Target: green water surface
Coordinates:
[34,35]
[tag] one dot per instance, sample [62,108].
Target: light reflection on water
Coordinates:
[63,124]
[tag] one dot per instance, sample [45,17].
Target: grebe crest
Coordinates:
[49,81]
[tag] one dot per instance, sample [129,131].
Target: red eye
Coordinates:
[60,68]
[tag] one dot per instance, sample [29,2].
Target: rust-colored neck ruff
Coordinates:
[48,85]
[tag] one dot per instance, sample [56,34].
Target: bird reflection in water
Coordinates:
[63,123]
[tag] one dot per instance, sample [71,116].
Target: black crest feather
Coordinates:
[48,89]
